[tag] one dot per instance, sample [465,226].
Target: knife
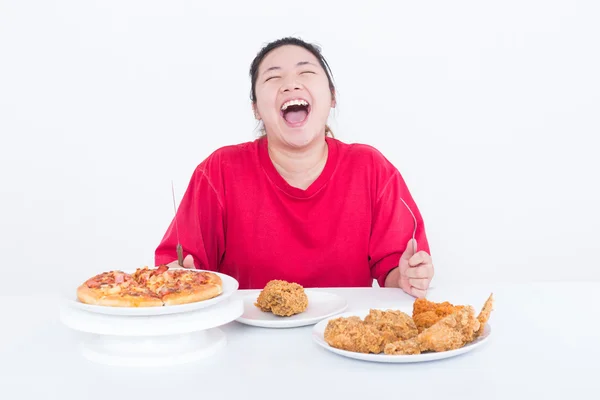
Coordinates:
[179,248]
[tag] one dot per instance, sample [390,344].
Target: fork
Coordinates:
[414,226]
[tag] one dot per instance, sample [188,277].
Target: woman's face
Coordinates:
[293,98]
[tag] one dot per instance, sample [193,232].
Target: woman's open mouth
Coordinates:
[295,112]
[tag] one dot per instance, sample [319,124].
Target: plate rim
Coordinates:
[318,338]
[292,323]
[230,287]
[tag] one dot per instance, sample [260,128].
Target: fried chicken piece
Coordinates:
[426,313]
[393,325]
[451,332]
[353,334]
[425,319]
[372,334]
[282,298]
[484,315]
[404,347]
[422,305]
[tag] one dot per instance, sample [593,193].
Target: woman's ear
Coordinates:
[333,102]
[255,111]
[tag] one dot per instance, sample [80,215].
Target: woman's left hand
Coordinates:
[416,271]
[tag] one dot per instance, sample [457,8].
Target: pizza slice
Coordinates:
[148,277]
[116,289]
[185,286]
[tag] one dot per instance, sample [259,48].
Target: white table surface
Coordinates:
[544,344]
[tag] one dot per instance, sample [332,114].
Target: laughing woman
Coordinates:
[297,204]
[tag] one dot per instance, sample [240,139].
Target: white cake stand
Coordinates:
[154,340]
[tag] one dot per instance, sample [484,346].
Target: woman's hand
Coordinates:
[416,271]
[188,262]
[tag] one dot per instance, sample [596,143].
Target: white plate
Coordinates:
[320,305]
[318,337]
[230,286]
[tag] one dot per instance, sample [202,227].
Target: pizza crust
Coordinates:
[213,279]
[204,292]
[97,297]
[88,296]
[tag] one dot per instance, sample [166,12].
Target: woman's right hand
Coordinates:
[188,262]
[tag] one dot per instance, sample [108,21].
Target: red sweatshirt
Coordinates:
[238,216]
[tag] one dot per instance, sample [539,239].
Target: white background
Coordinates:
[489,109]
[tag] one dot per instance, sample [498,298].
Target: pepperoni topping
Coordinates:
[160,270]
[93,283]
[178,273]
[107,278]
[100,279]
[201,278]
[163,290]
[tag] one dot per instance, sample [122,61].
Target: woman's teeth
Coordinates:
[293,103]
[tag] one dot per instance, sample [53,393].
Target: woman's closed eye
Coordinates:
[271,77]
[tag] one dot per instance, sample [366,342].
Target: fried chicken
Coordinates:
[282,298]
[353,334]
[434,327]
[392,324]
[449,333]
[372,334]
[403,347]
[484,315]
[426,313]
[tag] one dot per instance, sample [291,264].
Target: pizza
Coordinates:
[150,287]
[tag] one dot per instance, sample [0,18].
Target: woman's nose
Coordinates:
[290,86]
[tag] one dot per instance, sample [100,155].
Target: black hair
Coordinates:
[314,49]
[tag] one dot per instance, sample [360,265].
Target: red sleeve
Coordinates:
[392,228]
[200,219]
